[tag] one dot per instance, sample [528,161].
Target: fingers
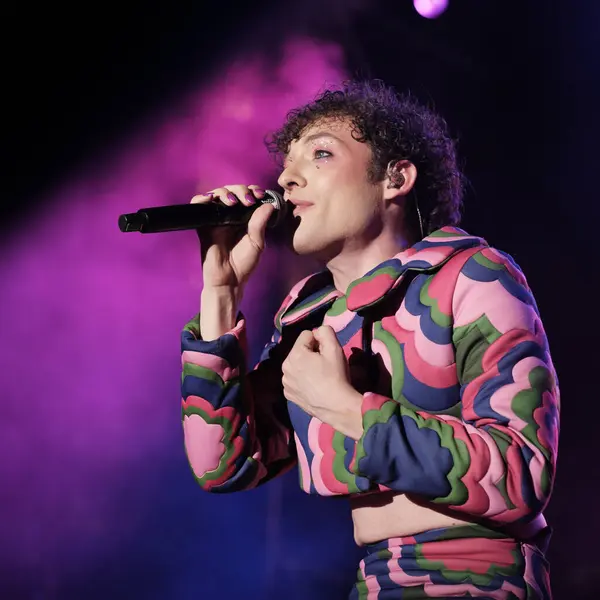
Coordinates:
[326,338]
[257,191]
[307,340]
[231,194]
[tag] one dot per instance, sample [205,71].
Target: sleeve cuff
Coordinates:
[372,414]
[231,346]
[193,327]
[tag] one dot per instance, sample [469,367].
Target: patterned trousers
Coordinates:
[458,562]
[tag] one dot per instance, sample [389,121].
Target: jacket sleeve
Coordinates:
[497,460]
[236,426]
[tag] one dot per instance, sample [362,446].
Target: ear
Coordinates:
[400,179]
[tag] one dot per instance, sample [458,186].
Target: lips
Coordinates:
[300,206]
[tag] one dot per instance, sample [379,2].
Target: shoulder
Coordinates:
[489,264]
[492,290]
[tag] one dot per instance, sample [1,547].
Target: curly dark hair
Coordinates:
[396,127]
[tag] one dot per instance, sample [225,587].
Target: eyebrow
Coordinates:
[314,136]
[321,134]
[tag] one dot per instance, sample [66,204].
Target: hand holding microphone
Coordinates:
[230,219]
[230,254]
[230,222]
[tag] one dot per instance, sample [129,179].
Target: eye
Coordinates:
[322,154]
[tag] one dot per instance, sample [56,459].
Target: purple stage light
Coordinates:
[430,9]
[89,331]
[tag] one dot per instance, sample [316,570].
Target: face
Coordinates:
[325,176]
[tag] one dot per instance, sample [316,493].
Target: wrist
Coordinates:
[218,311]
[354,421]
[222,293]
[348,421]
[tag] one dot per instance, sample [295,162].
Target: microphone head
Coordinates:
[281,207]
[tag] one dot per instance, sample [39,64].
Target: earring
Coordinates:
[397,184]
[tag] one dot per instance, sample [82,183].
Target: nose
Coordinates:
[291,178]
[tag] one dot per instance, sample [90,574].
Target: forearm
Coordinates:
[236,435]
[344,415]
[491,471]
[219,311]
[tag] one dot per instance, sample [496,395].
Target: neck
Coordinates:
[354,261]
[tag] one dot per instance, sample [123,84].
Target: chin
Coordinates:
[305,244]
[304,247]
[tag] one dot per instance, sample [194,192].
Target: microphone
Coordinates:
[178,217]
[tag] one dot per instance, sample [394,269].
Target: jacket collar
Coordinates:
[317,290]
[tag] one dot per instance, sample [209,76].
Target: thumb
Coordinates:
[257,224]
[307,340]
[327,339]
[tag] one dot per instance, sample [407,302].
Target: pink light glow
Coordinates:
[90,353]
[430,9]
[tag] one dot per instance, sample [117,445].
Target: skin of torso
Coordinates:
[386,515]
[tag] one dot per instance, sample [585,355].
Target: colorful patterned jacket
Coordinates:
[460,397]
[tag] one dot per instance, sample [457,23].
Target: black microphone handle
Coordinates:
[179,217]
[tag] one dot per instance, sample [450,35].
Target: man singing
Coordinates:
[411,375]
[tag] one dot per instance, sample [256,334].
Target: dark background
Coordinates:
[517,81]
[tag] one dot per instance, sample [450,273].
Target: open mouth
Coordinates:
[301,208]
